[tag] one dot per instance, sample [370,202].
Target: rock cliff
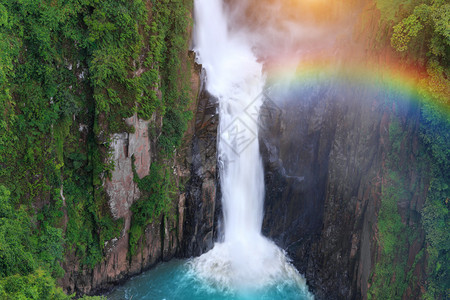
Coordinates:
[202,193]
[325,153]
[163,237]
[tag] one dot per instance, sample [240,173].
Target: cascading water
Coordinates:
[245,260]
[245,265]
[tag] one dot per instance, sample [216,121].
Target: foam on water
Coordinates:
[176,280]
[245,264]
[245,260]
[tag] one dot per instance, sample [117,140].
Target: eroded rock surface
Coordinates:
[324,154]
[202,208]
[121,188]
[162,238]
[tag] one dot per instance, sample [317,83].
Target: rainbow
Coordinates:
[398,78]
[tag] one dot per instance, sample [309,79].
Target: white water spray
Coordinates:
[245,259]
[235,78]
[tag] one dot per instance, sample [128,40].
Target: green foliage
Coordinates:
[425,32]
[174,126]
[125,73]
[393,233]
[21,252]
[163,69]
[393,239]
[435,134]
[390,224]
[391,277]
[115,42]
[171,26]
[24,256]
[390,9]
[90,223]
[403,32]
[421,35]
[158,190]
[70,72]
[16,256]
[38,285]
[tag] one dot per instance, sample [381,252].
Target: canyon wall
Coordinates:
[329,152]
[325,150]
[163,237]
[202,193]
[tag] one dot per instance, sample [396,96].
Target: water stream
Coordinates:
[245,264]
[245,259]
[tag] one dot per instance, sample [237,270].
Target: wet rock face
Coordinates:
[323,150]
[121,188]
[163,237]
[202,212]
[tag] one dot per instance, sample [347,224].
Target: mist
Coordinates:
[294,30]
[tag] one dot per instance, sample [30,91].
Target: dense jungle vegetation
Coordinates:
[419,31]
[72,70]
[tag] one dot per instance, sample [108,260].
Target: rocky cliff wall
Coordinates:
[163,237]
[325,151]
[202,191]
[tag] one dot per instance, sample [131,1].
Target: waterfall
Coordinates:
[235,78]
[245,259]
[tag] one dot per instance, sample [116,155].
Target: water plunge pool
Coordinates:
[176,280]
